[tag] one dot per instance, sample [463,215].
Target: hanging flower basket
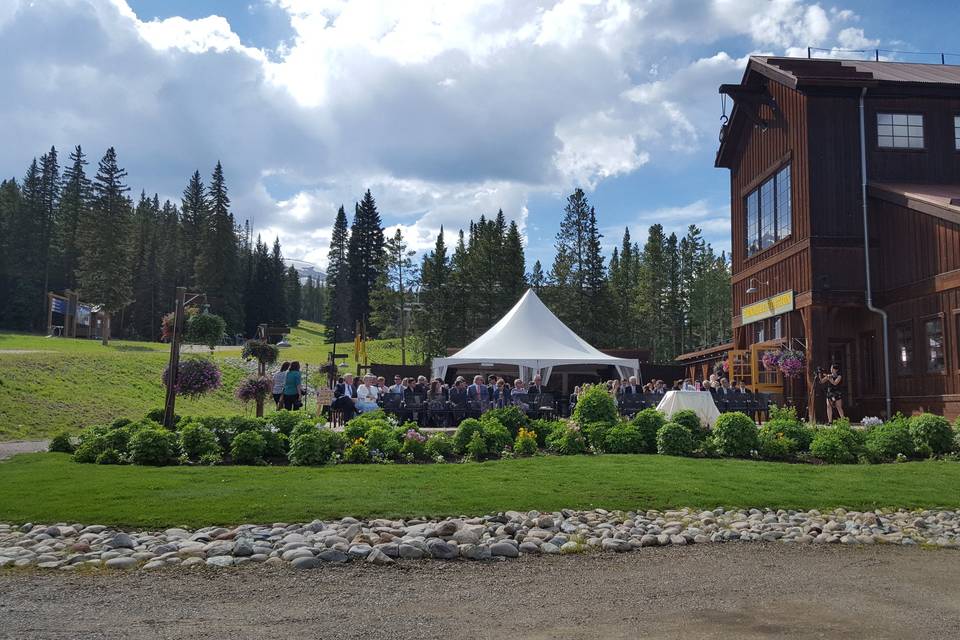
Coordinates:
[253,389]
[195,377]
[791,362]
[205,328]
[260,351]
[770,360]
[166,324]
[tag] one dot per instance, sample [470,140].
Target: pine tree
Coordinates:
[23,255]
[463,282]
[572,286]
[649,304]
[258,298]
[74,207]
[145,309]
[673,300]
[217,263]
[292,295]
[104,273]
[9,207]
[194,211]
[50,199]
[514,266]
[365,257]
[438,307]
[537,279]
[276,291]
[339,326]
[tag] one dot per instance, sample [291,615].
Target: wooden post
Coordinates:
[49,314]
[174,362]
[261,371]
[105,328]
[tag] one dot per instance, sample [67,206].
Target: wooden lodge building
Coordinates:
[795,152]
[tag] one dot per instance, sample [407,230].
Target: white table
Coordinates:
[700,402]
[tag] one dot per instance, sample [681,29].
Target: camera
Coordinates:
[819,371]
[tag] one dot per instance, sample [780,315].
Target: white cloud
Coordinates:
[445,110]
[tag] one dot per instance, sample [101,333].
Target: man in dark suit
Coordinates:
[344,395]
[536,387]
[632,388]
[458,393]
[421,387]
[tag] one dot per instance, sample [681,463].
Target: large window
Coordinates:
[904,353]
[900,130]
[769,212]
[933,345]
[956,132]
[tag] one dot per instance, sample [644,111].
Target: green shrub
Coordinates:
[688,418]
[89,449]
[544,428]
[357,452]
[439,445]
[314,447]
[511,417]
[383,439]
[956,440]
[304,426]
[110,456]
[735,434]
[888,440]
[675,439]
[465,433]
[414,448]
[838,443]
[649,422]
[624,438]
[196,440]
[777,446]
[61,443]
[595,404]
[596,434]
[211,459]
[358,426]
[219,427]
[120,423]
[476,448]
[276,444]
[285,421]
[248,447]
[787,414]
[526,443]
[933,432]
[567,441]
[153,446]
[495,435]
[797,431]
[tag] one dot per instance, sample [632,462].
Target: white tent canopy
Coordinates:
[532,338]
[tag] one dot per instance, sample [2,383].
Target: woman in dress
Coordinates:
[292,387]
[833,385]
[279,378]
[367,395]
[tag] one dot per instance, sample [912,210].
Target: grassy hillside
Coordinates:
[47,384]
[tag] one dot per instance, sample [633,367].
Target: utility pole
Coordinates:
[174,363]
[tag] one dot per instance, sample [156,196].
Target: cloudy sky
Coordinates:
[446,110]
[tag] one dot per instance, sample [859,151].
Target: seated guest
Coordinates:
[536,387]
[458,393]
[574,397]
[501,393]
[344,395]
[631,387]
[421,387]
[436,392]
[381,386]
[478,392]
[397,387]
[409,391]
[614,388]
[687,385]
[367,394]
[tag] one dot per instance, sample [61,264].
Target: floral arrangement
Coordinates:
[770,360]
[256,389]
[261,351]
[195,377]
[791,362]
[205,328]
[413,434]
[870,422]
[166,324]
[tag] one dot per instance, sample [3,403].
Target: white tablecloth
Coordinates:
[701,402]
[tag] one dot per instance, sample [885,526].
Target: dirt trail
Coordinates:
[709,591]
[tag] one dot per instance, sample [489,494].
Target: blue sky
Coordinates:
[445,110]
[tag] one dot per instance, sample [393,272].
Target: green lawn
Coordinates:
[52,488]
[48,384]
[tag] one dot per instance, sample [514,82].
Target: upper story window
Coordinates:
[956,132]
[769,212]
[900,130]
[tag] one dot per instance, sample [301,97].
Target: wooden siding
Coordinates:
[911,246]
[939,162]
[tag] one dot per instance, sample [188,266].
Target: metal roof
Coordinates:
[826,71]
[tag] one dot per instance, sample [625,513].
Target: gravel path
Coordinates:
[703,591]
[8,449]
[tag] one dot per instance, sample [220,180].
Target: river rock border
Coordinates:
[510,534]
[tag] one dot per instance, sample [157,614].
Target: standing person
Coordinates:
[367,394]
[279,378]
[832,383]
[292,387]
[478,392]
[631,387]
[615,389]
[536,387]
[398,386]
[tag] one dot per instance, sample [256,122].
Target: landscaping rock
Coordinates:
[120,563]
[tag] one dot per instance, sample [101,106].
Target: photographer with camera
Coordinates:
[832,382]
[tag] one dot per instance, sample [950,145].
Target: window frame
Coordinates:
[955,325]
[899,112]
[755,190]
[956,134]
[926,346]
[911,367]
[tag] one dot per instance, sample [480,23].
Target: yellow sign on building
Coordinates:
[767,308]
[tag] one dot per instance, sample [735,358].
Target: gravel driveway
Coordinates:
[703,591]
[8,449]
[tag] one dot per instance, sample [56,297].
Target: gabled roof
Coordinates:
[800,72]
[530,335]
[938,200]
